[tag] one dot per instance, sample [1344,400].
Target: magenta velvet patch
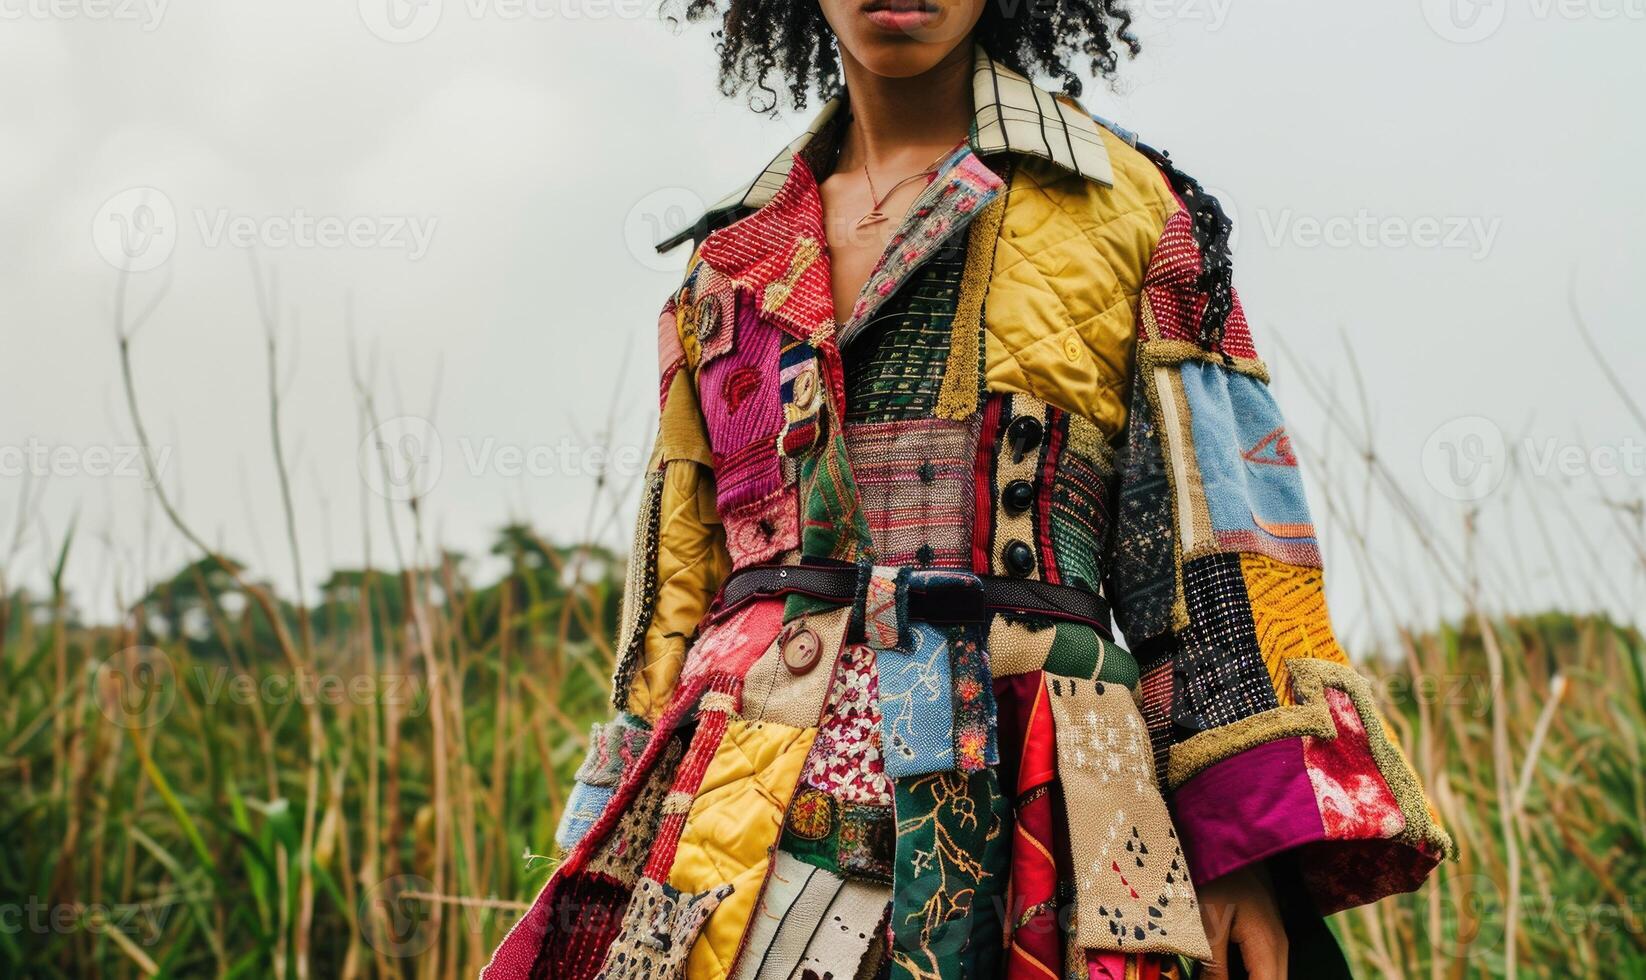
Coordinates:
[1246,808]
[742,408]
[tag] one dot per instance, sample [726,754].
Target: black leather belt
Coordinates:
[838,584]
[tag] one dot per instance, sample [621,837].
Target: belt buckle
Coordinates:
[948,595]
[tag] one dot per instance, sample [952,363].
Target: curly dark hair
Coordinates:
[790,38]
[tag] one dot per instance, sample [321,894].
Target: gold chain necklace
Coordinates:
[875,216]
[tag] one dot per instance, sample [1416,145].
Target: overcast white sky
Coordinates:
[1420,178]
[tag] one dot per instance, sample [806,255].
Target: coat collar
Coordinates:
[1011,114]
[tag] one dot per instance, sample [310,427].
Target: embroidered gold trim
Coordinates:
[957,397]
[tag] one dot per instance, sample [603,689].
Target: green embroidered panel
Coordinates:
[894,368]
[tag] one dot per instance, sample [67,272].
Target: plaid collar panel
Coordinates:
[1011,114]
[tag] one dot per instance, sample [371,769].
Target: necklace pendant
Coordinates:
[874,217]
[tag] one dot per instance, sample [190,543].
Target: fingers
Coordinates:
[1215,919]
[1263,946]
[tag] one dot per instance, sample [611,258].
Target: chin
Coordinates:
[900,60]
[901,38]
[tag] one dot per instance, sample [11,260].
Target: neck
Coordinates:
[895,118]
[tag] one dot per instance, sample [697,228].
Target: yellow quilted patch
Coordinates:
[733,825]
[1061,315]
[1289,611]
[692,561]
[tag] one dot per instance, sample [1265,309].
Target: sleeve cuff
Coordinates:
[1281,797]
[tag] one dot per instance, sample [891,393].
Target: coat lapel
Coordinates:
[963,187]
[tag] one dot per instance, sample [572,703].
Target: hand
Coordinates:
[1239,910]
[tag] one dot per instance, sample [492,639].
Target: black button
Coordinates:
[1019,558]
[1018,496]
[1024,435]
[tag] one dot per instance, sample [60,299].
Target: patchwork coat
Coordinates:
[1047,377]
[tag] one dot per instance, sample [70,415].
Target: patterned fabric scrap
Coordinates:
[1078,513]
[867,841]
[917,704]
[620,856]
[886,608]
[1289,617]
[1131,879]
[658,931]
[1029,751]
[801,378]
[742,411]
[1175,299]
[951,867]
[915,479]
[731,644]
[975,744]
[584,806]
[1220,673]
[1247,467]
[833,524]
[1355,802]
[898,360]
[763,529]
[855,841]
[845,761]
[796,900]
[849,927]
[1143,573]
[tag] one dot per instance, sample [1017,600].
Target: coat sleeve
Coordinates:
[1270,744]
[676,564]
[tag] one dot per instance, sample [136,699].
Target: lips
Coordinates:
[902,15]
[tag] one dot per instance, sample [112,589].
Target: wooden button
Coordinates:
[801,649]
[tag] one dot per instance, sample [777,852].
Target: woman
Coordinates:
[957,376]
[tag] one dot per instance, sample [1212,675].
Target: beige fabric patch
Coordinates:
[794,901]
[772,693]
[816,890]
[1016,649]
[1132,884]
[850,926]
